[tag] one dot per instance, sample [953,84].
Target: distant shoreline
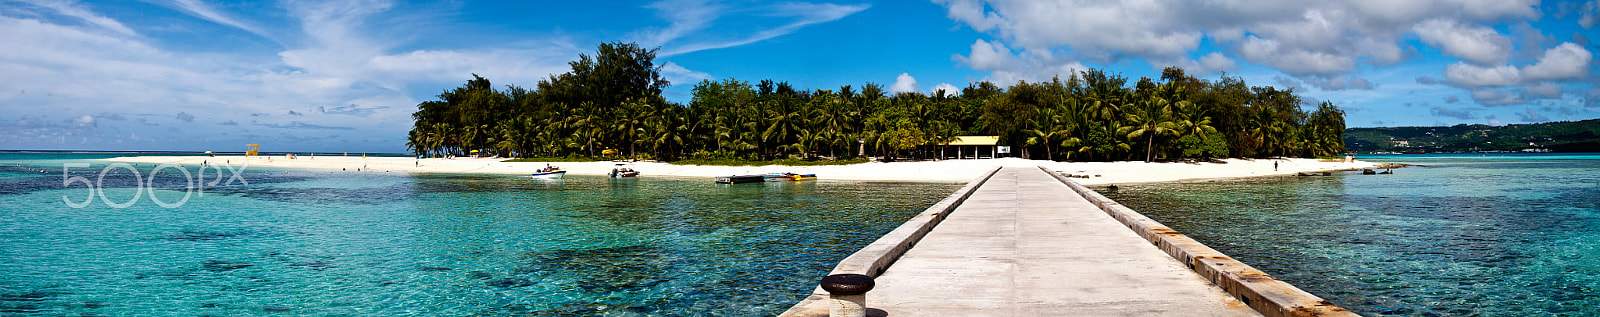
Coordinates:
[1099,173]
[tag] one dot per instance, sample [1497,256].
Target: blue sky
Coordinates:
[338,76]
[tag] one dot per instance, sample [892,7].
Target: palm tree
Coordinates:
[666,131]
[781,125]
[827,119]
[635,113]
[587,123]
[508,133]
[439,139]
[942,132]
[1151,117]
[1192,120]
[1047,125]
[1265,131]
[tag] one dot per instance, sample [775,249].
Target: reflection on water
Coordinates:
[320,243]
[1465,237]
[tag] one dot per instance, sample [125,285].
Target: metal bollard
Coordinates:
[848,294]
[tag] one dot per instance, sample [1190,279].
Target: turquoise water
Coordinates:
[348,243]
[1469,235]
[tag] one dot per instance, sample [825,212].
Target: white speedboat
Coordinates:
[549,172]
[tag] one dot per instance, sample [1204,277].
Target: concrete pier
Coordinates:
[1023,243]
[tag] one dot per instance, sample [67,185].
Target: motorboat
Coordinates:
[623,170]
[549,172]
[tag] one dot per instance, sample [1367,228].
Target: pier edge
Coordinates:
[873,259]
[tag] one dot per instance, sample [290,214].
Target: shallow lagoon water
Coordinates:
[1485,235]
[347,243]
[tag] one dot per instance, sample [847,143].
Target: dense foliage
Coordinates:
[1571,136]
[610,106]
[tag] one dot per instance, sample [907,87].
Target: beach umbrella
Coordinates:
[208,152]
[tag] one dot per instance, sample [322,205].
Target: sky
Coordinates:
[345,75]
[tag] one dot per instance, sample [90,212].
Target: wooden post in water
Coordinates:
[848,292]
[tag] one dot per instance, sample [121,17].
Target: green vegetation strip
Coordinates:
[1573,136]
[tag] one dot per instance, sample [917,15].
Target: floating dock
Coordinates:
[1029,242]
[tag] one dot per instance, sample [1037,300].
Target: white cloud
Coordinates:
[1007,68]
[73,9]
[1211,63]
[1216,62]
[1295,61]
[1473,43]
[1566,61]
[1298,37]
[949,90]
[1468,75]
[1318,29]
[688,16]
[203,11]
[1496,97]
[1544,90]
[680,75]
[73,69]
[989,56]
[1095,28]
[905,83]
[684,16]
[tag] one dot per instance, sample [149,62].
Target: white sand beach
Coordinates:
[924,171]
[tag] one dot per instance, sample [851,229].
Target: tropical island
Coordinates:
[1092,124]
[609,106]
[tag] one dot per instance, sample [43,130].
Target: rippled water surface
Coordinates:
[1487,235]
[346,243]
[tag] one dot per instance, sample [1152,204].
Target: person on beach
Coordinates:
[1274,166]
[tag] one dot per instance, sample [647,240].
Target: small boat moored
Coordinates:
[740,179]
[778,177]
[549,172]
[622,170]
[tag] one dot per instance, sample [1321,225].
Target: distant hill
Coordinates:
[1569,136]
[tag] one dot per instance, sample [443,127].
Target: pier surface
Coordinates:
[1025,244]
